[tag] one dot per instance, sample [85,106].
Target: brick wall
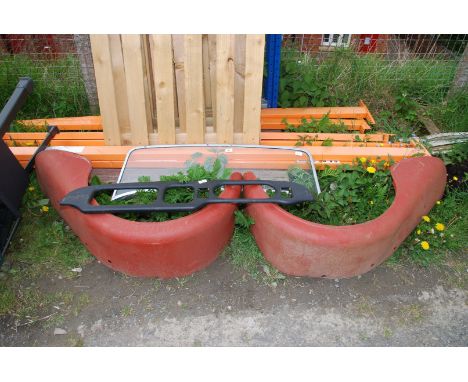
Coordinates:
[312,43]
[37,44]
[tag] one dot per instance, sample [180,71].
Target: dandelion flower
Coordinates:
[418,232]
[372,161]
[371,170]
[438,202]
[455,178]
[425,245]
[439,227]
[363,160]
[31,188]
[426,218]
[45,209]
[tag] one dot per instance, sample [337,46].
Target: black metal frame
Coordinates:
[81,198]
[13,178]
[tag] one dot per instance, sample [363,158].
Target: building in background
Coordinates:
[47,45]
[392,45]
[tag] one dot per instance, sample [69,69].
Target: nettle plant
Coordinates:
[322,125]
[299,87]
[308,140]
[211,169]
[351,194]
[406,107]
[458,153]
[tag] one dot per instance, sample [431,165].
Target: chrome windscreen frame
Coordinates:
[216,145]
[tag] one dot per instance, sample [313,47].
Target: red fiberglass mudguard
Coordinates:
[168,249]
[302,248]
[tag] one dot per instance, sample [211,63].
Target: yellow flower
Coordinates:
[363,160]
[31,188]
[45,209]
[426,218]
[455,178]
[425,245]
[439,227]
[371,202]
[438,202]
[372,161]
[418,232]
[371,170]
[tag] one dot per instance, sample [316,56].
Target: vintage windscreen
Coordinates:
[149,163]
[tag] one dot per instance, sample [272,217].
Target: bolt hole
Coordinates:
[109,261]
[323,276]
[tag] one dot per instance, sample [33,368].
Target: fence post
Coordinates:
[83,48]
[138,98]
[126,83]
[461,76]
[224,89]
[273,53]
[163,74]
[105,84]
[254,52]
[194,94]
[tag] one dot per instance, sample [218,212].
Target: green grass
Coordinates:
[44,242]
[58,86]
[451,212]
[245,255]
[7,299]
[43,245]
[344,77]
[452,115]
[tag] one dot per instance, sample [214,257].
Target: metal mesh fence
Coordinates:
[61,67]
[316,69]
[343,68]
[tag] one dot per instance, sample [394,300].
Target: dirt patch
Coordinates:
[392,305]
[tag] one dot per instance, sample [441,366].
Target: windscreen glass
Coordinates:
[267,163]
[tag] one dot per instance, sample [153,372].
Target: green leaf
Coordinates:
[95,181]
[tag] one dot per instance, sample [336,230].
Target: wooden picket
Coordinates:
[225,88]
[252,89]
[163,72]
[105,82]
[137,96]
[194,94]
[179,88]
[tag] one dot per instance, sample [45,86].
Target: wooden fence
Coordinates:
[165,89]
